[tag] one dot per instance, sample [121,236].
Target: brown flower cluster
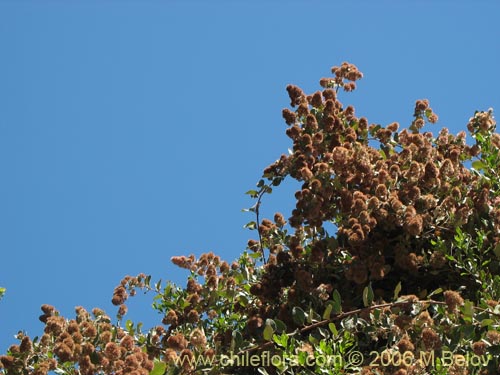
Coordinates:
[453,300]
[187,310]
[482,122]
[345,72]
[217,275]
[127,286]
[387,202]
[91,342]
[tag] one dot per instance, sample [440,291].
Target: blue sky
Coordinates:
[130,130]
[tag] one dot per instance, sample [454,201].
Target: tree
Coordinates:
[407,284]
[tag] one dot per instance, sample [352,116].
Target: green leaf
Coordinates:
[467,330]
[397,290]
[437,291]
[487,322]
[280,326]
[313,340]
[337,302]
[183,303]
[168,289]
[312,316]
[328,311]
[368,295]
[129,325]
[237,338]
[323,332]
[268,333]
[277,181]
[298,315]
[468,309]
[252,193]
[281,340]
[251,225]
[478,165]
[270,322]
[159,368]
[374,130]
[243,300]
[301,358]
[333,329]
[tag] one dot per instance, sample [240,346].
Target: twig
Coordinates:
[257,218]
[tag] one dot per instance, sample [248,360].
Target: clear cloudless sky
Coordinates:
[130,130]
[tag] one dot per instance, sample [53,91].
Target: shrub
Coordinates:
[407,283]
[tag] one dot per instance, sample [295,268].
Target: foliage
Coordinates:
[408,283]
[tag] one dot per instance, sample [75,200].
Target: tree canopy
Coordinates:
[389,264]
